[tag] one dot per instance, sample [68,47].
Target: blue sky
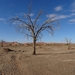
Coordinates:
[63,10]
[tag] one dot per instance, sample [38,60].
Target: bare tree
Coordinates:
[31,28]
[68,41]
[2,41]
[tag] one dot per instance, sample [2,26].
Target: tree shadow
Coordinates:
[44,53]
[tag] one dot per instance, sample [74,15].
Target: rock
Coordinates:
[8,50]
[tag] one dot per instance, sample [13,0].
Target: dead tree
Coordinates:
[68,41]
[2,41]
[31,28]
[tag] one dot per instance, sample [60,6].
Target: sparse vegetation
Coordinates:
[1,42]
[68,41]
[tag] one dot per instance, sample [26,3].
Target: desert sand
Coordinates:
[49,60]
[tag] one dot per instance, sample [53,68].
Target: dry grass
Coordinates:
[50,60]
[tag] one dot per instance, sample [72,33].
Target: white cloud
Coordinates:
[72,14]
[58,8]
[51,15]
[31,14]
[62,16]
[15,22]
[58,16]
[73,10]
[72,21]
[73,7]
[2,19]
[24,14]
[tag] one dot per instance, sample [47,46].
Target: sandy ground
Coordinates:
[52,60]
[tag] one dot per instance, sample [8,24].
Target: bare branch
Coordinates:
[39,14]
[23,22]
[47,25]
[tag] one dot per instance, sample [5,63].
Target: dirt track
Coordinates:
[48,61]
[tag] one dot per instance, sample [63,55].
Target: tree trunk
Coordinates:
[34,46]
